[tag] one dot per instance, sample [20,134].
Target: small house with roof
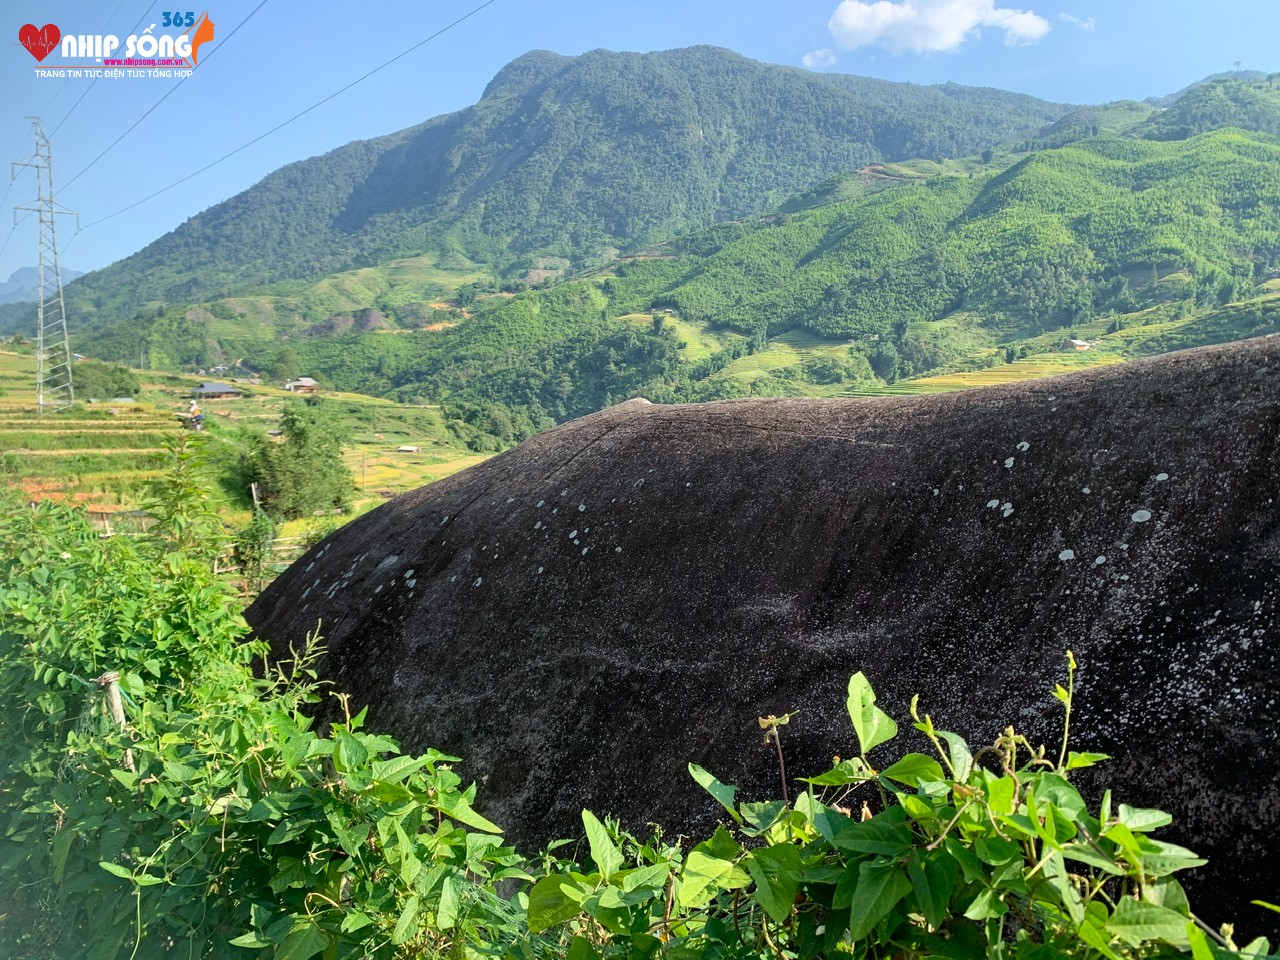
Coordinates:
[302,385]
[213,390]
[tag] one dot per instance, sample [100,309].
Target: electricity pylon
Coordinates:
[54,389]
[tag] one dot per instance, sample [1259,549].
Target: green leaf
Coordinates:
[880,887]
[1136,923]
[1094,934]
[1167,892]
[1077,761]
[1265,905]
[706,876]
[913,768]
[458,808]
[1142,820]
[349,753]
[776,871]
[252,940]
[723,793]
[606,855]
[1159,857]
[354,920]
[304,941]
[116,869]
[450,902]
[872,725]
[961,758]
[1000,795]
[759,817]
[986,905]
[1201,949]
[396,769]
[651,876]
[1095,858]
[550,903]
[933,880]
[581,949]
[885,833]
[1055,871]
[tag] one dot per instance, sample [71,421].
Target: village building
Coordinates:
[302,385]
[213,390]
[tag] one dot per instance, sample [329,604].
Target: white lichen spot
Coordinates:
[479,580]
[1161,477]
[688,484]
[538,525]
[1085,490]
[617,549]
[992,504]
[511,499]
[408,573]
[378,589]
[1008,464]
[1141,516]
[574,534]
[1099,560]
[935,491]
[541,502]
[453,579]
[584,550]
[1023,447]
[540,569]
[1006,509]
[1067,554]
[444,520]
[582,507]
[411,584]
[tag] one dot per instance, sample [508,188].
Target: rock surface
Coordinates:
[582,616]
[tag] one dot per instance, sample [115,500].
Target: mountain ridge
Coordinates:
[573,156]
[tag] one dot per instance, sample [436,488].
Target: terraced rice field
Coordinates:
[1032,368]
[103,455]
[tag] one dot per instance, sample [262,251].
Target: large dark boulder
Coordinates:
[582,616]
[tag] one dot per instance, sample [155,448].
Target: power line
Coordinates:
[13,178]
[66,83]
[296,116]
[172,90]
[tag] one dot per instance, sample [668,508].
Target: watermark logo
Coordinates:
[173,48]
[39,40]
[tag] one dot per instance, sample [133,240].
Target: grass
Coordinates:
[697,340]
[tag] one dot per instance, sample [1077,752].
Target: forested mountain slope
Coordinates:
[1105,234]
[565,156]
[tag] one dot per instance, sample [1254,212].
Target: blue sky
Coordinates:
[288,55]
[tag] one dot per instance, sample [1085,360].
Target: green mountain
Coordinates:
[570,157]
[1227,102]
[1141,244]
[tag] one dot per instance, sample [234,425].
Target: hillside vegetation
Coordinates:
[940,274]
[562,156]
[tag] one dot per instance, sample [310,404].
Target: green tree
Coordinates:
[306,474]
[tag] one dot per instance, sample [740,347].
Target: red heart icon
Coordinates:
[39,40]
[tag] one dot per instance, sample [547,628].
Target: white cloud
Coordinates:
[822,57]
[1088,23]
[924,26]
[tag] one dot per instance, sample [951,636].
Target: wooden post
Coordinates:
[110,682]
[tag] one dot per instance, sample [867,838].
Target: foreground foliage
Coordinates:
[209,818]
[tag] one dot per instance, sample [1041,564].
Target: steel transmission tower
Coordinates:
[54,390]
